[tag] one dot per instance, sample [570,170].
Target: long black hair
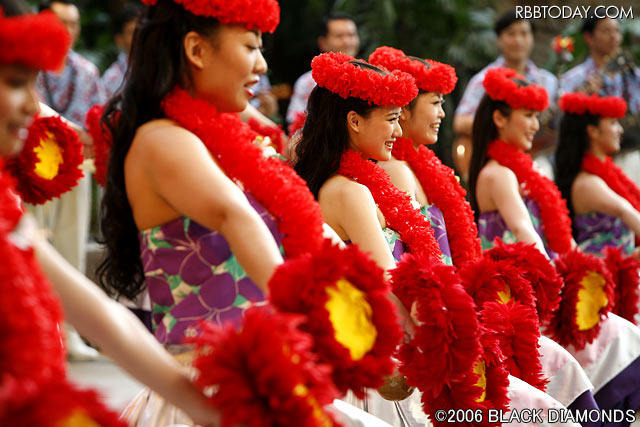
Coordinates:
[573,143]
[324,136]
[484,131]
[157,63]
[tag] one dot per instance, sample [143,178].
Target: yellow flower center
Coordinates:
[50,157]
[301,390]
[78,418]
[591,298]
[504,296]
[350,315]
[480,369]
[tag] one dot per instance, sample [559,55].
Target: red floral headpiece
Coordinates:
[261,14]
[40,41]
[605,106]
[500,84]
[430,76]
[337,73]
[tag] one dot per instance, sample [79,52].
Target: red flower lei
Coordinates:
[270,181]
[102,141]
[443,190]
[336,73]
[556,223]
[396,207]
[261,14]
[500,85]
[604,106]
[614,177]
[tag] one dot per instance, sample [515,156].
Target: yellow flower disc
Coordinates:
[504,296]
[480,369]
[591,298]
[350,315]
[50,157]
[78,418]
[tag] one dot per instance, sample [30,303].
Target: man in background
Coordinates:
[124,26]
[339,34]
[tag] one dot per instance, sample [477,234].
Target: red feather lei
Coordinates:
[605,106]
[265,373]
[500,84]
[300,286]
[102,141]
[396,207]
[614,177]
[556,223]
[275,133]
[443,190]
[270,181]
[44,134]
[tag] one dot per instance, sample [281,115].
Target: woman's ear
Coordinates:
[194,49]
[592,132]
[499,119]
[354,120]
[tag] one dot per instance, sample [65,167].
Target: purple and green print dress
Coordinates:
[611,362]
[597,230]
[191,275]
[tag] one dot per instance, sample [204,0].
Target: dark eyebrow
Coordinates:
[392,113]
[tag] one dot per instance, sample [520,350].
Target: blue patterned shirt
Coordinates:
[113,78]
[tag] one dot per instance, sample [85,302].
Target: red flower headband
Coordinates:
[500,84]
[337,73]
[40,41]
[261,14]
[605,106]
[431,76]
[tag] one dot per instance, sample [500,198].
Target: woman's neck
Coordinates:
[598,153]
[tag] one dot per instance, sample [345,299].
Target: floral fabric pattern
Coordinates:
[191,275]
[596,231]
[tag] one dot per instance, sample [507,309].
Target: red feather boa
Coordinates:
[573,267]
[443,190]
[270,181]
[34,188]
[102,142]
[500,85]
[447,342]
[537,270]
[556,224]
[624,271]
[395,205]
[265,373]
[614,177]
[300,286]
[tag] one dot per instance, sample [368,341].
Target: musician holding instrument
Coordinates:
[515,40]
[610,72]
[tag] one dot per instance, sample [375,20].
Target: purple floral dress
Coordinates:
[191,275]
[597,230]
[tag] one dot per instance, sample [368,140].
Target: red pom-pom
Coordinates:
[275,133]
[265,374]
[501,85]
[39,41]
[59,403]
[253,14]
[303,285]
[587,274]
[431,76]
[624,270]
[102,142]
[516,327]
[337,73]
[446,342]
[49,163]
[580,103]
[537,270]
